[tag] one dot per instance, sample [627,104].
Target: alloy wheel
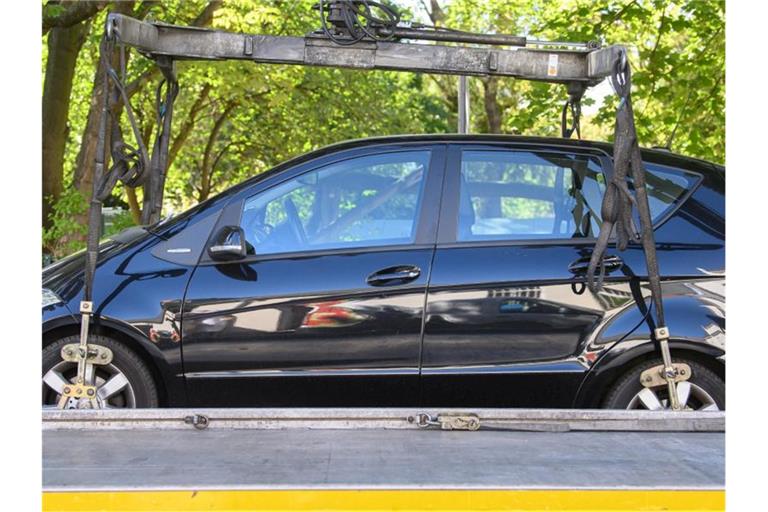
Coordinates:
[113,389]
[691,396]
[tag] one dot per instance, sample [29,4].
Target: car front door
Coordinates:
[506,318]
[326,307]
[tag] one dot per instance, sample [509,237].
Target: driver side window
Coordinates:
[361,202]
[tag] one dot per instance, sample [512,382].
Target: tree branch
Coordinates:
[435,14]
[211,183]
[72,14]
[188,125]
[133,205]
[206,167]
[143,9]
[206,16]
[650,60]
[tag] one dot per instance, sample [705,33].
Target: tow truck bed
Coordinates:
[377,459]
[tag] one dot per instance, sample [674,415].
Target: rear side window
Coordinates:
[666,188]
[519,195]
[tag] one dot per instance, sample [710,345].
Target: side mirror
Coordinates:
[228,244]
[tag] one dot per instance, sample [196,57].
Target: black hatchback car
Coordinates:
[441,271]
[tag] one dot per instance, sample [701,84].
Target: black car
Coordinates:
[436,271]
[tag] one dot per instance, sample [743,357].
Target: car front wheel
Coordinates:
[703,391]
[126,382]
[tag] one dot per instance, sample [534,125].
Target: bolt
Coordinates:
[68,352]
[103,355]
[79,391]
[67,390]
[91,392]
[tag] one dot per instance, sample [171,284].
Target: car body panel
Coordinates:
[309,324]
[307,329]
[517,331]
[504,316]
[137,297]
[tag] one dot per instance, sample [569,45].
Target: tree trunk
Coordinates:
[492,108]
[188,125]
[86,157]
[208,159]
[83,179]
[64,44]
[72,15]
[133,205]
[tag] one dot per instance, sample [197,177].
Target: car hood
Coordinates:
[62,274]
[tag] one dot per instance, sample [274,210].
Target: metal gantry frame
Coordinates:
[575,65]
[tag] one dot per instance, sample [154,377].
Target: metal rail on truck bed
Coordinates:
[367,459]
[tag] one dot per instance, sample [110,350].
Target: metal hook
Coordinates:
[110,30]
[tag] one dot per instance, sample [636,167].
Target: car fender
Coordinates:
[55,316]
[696,320]
[167,373]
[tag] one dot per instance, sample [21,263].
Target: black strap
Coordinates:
[131,166]
[153,190]
[94,211]
[574,105]
[619,201]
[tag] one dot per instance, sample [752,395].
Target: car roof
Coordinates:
[659,155]
[656,156]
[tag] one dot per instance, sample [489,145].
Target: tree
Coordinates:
[58,14]
[233,120]
[83,179]
[677,53]
[66,27]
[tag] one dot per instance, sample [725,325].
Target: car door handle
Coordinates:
[394,275]
[610,263]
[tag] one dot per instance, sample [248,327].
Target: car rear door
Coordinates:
[507,313]
[327,307]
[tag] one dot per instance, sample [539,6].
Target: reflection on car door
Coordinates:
[327,307]
[503,323]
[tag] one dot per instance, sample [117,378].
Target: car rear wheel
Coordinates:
[124,383]
[703,391]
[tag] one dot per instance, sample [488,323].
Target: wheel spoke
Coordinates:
[683,392]
[55,381]
[650,400]
[710,407]
[89,374]
[112,386]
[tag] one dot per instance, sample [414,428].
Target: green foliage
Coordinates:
[245,118]
[677,52]
[118,223]
[678,60]
[61,237]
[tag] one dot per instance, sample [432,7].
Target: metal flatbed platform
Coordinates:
[380,459]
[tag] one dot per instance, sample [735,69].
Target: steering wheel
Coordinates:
[258,231]
[294,221]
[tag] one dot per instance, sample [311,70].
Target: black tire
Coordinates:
[627,387]
[143,391]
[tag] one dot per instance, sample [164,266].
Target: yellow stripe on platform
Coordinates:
[371,500]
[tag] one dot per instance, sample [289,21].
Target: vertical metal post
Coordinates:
[463,105]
